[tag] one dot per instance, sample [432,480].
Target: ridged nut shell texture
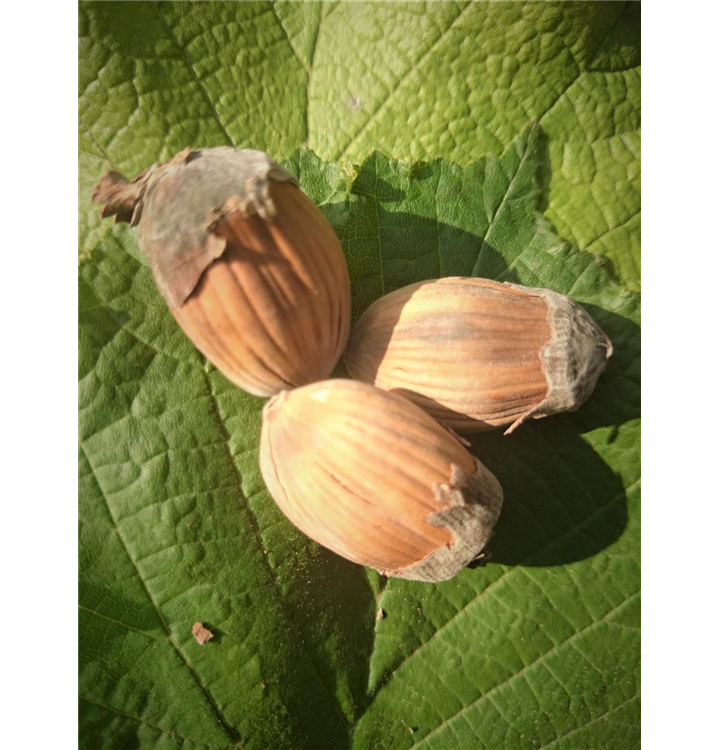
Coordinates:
[250,267]
[477,354]
[374,478]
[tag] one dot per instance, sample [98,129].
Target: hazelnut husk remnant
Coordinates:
[250,267]
[478,354]
[374,478]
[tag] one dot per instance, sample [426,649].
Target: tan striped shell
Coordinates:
[477,354]
[273,311]
[249,266]
[374,478]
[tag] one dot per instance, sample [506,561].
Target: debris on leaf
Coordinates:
[201,634]
[381,614]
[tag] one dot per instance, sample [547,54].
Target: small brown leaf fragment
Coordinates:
[201,634]
[381,614]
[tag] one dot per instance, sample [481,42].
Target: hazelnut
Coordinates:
[374,478]
[477,354]
[249,266]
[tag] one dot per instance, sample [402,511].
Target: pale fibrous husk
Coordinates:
[478,354]
[374,478]
[249,266]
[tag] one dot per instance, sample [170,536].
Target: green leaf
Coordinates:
[412,80]
[539,649]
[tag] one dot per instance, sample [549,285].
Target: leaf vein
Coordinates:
[154,726]
[521,673]
[231,733]
[118,622]
[289,41]
[514,569]
[504,200]
[97,143]
[399,83]
[593,721]
[192,73]
[254,525]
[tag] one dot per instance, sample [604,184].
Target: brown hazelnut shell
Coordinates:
[374,478]
[478,354]
[250,267]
